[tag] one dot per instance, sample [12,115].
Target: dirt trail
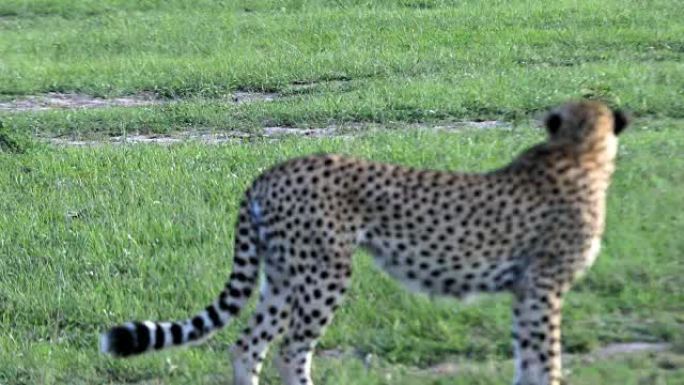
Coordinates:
[213,138]
[70,101]
[59,101]
[346,131]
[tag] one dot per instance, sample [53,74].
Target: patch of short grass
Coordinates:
[426,99]
[95,236]
[377,61]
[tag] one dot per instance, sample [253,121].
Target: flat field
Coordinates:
[98,234]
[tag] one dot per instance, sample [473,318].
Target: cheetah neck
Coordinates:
[580,175]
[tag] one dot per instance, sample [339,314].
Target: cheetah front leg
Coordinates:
[537,335]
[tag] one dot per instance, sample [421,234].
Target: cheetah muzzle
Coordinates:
[529,228]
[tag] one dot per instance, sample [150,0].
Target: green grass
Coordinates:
[95,236]
[90,237]
[374,61]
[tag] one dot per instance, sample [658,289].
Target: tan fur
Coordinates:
[530,228]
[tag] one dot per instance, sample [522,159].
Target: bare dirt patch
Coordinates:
[156,139]
[208,138]
[58,100]
[630,348]
[346,130]
[478,125]
[309,132]
[242,97]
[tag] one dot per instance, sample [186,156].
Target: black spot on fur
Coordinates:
[233,309]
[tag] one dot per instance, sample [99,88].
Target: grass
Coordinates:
[94,236]
[371,61]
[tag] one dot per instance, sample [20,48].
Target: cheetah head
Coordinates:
[584,122]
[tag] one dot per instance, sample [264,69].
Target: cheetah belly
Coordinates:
[590,256]
[441,275]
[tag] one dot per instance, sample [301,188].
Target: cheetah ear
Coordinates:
[553,122]
[620,121]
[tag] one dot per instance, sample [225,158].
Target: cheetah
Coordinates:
[529,228]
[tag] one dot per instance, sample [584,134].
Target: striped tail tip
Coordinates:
[125,340]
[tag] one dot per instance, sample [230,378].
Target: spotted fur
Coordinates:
[530,228]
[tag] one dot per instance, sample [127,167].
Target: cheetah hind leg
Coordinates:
[312,311]
[267,323]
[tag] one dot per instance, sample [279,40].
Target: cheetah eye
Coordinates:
[620,121]
[553,123]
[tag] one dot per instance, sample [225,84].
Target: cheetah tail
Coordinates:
[134,338]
